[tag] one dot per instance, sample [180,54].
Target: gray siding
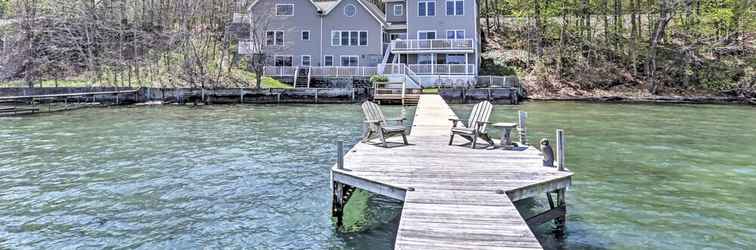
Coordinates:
[369,55]
[441,22]
[305,18]
[396,19]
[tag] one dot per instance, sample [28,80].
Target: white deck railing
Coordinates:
[241,18]
[343,71]
[432,44]
[335,71]
[245,47]
[400,69]
[279,70]
[498,81]
[443,69]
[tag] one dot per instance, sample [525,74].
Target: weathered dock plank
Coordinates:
[454,197]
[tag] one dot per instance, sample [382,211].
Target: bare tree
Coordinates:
[256,46]
[667,12]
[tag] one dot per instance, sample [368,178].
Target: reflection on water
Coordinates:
[179,177]
[651,176]
[647,177]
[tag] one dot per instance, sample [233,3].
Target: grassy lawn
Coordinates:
[430,91]
[246,76]
[47,83]
[267,82]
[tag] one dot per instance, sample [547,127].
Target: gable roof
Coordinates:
[325,7]
[370,7]
[316,4]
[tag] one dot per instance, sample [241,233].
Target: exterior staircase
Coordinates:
[392,92]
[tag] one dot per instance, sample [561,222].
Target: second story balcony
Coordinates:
[433,45]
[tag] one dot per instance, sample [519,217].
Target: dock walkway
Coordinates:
[454,197]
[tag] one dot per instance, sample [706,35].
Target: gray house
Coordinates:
[426,42]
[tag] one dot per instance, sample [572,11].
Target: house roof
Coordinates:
[327,6]
[374,11]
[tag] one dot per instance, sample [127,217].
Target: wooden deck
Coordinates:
[454,197]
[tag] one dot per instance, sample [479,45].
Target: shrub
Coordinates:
[378,78]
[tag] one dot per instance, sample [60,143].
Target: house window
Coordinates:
[328,61]
[399,10]
[284,9]
[455,59]
[363,38]
[305,35]
[274,37]
[306,60]
[350,10]
[455,7]
[335,38]
[350,61]
[284,60]
[397,36]
[349,38]
[455,34]
[424,58]
[426,8]
[353,38]
[426,35]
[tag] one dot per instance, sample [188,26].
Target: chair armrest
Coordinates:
[396,119]
[371,121]
[454,121]
[482,123]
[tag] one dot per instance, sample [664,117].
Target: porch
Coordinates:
[433,45]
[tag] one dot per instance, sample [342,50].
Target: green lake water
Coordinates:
[256,176]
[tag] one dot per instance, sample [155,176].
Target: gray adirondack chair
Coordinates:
[378,125]
[476,125]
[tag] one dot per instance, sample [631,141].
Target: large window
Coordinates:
[455,59]
[363,38]
[284,60]
[396,36]
[328,61]
[425,59]
[455,7]
[274,38]
[455,34]
[350,61]
[426,8]
[349,38]
[284,9]
[426,34]
[307,60]
[399,10]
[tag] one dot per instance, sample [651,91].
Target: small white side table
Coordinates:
[506,134]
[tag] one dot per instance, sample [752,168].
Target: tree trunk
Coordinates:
[666,15]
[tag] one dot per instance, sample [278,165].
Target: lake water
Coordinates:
[647,177]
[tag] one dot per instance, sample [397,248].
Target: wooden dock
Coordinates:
[454,197]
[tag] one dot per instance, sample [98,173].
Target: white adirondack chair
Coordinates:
[378,125]
[476,125]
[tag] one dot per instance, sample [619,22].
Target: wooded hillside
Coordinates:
[170,43]
[636,47]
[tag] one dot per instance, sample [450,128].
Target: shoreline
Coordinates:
[660,99]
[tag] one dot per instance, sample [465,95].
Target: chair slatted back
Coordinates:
[480,113]
[373,112]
